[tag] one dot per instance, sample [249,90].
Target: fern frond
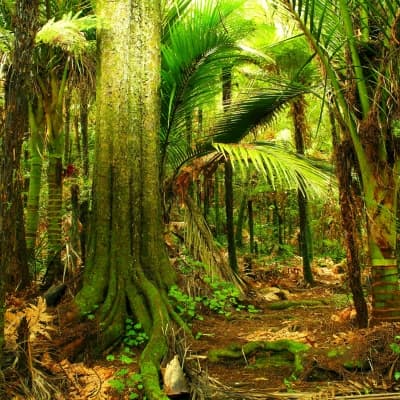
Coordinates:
[39,321]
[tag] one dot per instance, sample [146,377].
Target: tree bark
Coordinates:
[36,123]
[230,227]
[349,212]
[251,226]
[84,119]
[300,126]
[128,271]
[14,272]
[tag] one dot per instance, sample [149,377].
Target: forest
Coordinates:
[199,199]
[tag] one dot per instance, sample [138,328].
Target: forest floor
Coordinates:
[297,342]
[341,360]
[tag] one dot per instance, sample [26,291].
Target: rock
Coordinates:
[174,378]
[274,294]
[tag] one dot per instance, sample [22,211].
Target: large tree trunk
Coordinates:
[13,259]
[128,271]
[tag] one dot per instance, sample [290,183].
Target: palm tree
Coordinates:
[191,81]
[63,55]
[357,46]
[293,61]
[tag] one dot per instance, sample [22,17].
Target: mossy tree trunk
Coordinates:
[84,124]
[128,271]
[67,131]
[53,100]
[14,271]
[36,145]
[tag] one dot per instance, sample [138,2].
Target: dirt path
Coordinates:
[341,359]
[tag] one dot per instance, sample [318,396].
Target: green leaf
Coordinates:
[122,372]
[126,360]
[117,385]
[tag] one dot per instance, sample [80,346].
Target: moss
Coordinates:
[284,304]
[337,352]
[241,352]
[282,359]
[344,354]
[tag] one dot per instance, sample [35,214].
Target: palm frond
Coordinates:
[172,12]
[67,33]
[319,20]
[193,54]
[280,168]
[196,47]
[258,108]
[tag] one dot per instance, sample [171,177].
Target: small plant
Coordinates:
[396,350]
[134,334]
[127,382]
[185,305]
[288,382]
[225,296]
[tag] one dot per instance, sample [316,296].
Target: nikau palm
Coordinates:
[191,81]
[357,44]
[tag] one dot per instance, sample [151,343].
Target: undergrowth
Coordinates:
[217,296]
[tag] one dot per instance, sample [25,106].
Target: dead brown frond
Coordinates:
[84,382]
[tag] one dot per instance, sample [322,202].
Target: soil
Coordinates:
[341,359]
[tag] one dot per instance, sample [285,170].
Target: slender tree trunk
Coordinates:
[278,222]
[36,123]
[128,270]
[251,226]
[241,220]
[67,131]
[54,216]
[300,126]
[230,226]
[84,120]
[217,208]
[53,101]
